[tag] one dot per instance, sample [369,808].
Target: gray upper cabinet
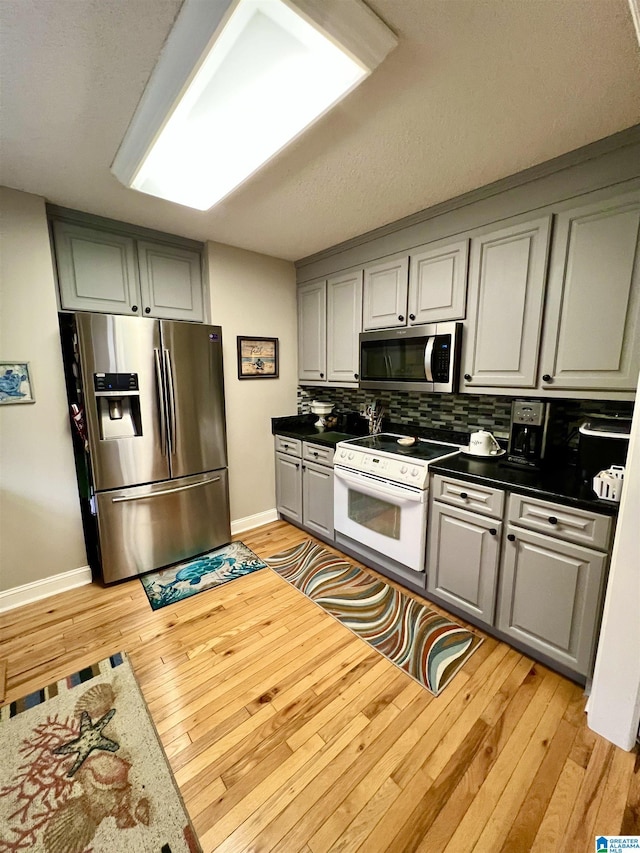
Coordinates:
[506,293]
[97,271]
[344,323]
[117,273]
[592,333]
[438,283]
[170,282]
[312,331]
[385,290]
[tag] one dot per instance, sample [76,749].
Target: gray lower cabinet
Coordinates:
[537,577]
[317,498]
[115,273]
[289,486]
[463,558]
[550,595]
[304,485]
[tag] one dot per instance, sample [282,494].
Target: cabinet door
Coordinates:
[96,270]
[385,289]
[438,283]
[317,499]
[506,292]
[289,487]
[171,282]
[312,331]
[344,323]
[550,596]
[592,336]
[462,566]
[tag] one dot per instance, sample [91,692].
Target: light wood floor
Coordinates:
[287,733]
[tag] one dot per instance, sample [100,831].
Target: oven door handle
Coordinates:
[375,488]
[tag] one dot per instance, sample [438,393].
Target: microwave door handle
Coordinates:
[428,357]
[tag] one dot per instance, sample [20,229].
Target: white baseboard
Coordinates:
[36,590]
[240,525]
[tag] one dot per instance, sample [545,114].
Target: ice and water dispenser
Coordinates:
[118,404]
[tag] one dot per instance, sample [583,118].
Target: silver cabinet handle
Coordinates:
[168,370]
[161,402]
[163,492]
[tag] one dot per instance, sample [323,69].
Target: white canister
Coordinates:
[482,443]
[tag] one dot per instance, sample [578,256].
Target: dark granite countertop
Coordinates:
[560,483]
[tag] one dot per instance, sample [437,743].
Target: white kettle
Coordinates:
[482,443]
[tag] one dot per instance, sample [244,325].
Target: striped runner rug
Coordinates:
[418,640]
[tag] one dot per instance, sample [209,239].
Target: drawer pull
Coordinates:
[553,519]
[493,531]
[315,453]
[511,537]
[464,495]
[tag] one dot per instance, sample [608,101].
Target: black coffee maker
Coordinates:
[528,433]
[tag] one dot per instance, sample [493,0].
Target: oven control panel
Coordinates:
[412,472]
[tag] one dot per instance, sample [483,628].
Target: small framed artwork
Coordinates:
[15,383]
[257,358]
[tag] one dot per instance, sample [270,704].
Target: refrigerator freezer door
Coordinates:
[148,527]
[195,394]
[125,450]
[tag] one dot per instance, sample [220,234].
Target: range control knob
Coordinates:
[415,472]
[403,469]
[351,455]
[343,453]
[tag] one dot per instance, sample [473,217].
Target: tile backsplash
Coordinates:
[463,412]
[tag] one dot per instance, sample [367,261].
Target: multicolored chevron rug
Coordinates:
[421,642]
[212,569]
[83,770]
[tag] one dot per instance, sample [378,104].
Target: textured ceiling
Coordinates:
[476,90]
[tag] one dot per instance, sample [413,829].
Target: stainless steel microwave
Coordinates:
[414,358]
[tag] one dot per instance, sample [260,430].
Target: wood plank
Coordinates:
[288,733]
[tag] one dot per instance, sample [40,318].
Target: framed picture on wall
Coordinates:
[15,383]
[257,358]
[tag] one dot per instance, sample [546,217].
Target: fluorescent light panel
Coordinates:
[269,74]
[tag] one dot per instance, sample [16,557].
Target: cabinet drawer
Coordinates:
[574,525]
[292,446]
[318,453]
[471,496]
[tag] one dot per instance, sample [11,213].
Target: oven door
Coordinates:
[386,517]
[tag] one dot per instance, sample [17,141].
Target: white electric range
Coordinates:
[380,498]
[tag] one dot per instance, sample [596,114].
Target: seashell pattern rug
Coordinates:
[83,769]
[423,643]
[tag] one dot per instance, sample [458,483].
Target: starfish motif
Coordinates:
[90,738]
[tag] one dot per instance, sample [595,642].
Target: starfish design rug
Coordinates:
[420,641]
[83,770]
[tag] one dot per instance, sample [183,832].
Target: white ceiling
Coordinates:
[476,90]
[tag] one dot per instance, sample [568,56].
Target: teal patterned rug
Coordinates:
[212,569]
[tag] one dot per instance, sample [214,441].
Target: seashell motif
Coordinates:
[96,701]
[70,828]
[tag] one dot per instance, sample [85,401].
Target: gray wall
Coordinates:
[40,527]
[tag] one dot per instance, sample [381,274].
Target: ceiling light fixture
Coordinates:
[236,81]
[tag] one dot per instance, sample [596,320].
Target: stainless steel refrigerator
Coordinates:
[151,395]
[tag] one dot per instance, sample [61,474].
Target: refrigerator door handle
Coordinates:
[162,404]
[163,492]
[168,371]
